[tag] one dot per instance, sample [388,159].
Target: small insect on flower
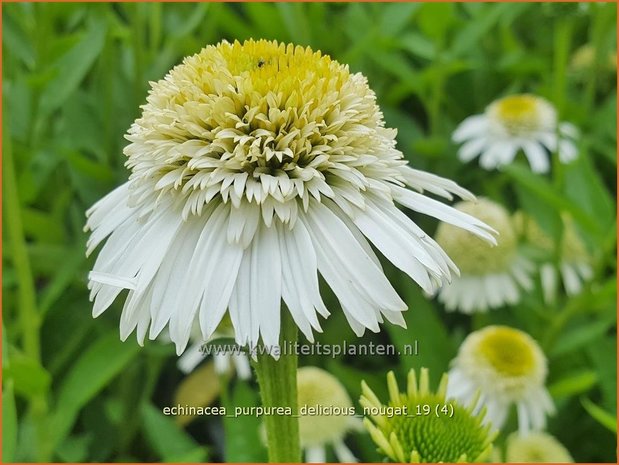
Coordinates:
[506,366]
[490,277]
[255,166]
[517,122]
[426,435]
[326,415]
[536,447]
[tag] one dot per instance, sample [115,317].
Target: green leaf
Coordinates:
[424,326]
[606,419]
[580,336]
[16,41]
[435,19]
[396,16]
[242,432]
[545,193]
[168,440]
[73,66]
[96,368]
[65,274]
[29,377]
[9,422]
[585,188]
[574,383]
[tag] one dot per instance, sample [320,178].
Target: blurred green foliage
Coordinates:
[74,76]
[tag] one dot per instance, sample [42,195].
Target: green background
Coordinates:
[74,76]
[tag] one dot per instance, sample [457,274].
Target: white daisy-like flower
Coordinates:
[490,277]
[507,367]
[223,360]
[517,122]
[255,166]
[573,264]
[536,447]
[329,415]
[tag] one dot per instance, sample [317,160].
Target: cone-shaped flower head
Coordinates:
[489,276]
[255,166]
[329,414]
[516,122]
[428,427]
[506,366]
[538,447]
[573,261]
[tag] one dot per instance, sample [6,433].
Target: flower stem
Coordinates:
[278,388]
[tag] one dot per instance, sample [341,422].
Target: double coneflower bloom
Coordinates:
[255,167]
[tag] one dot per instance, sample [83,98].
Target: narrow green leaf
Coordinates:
[574,383]
[30,378]
[95,369]
[9,422]
[168,439]
[242,432]
[580,336]
[72,67]
[606,419]
[544,191]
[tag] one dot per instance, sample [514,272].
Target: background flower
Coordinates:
[537,447]
[490,277]
[74,77]
[506,367]
[513,123]
[432,429]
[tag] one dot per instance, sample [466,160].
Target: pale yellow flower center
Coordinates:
[508,351]
[472,255]
[259,122]
[522,114]
[325,405]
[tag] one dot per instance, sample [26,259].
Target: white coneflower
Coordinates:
[506,366]
[224,360]
[573,261]
[327,415]
[255,166]
[425,426]
[517,122]
[536,447]
[490,277]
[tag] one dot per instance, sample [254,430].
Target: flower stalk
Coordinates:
[278,388]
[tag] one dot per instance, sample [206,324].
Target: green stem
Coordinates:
[562,44]
[29,318]
[278,388]
[28,315]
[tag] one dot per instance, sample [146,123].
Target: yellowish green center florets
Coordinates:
[509,351]
[428,427]
[503,359]
[471,254]
[522,114]
[327,406]
[259,122]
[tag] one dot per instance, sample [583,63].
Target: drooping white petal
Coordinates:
[443,212]
[357,282]
[209,250]
[424,181]
[472,148]
[537,156]
[300,278]
[191,358]
[471,127]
